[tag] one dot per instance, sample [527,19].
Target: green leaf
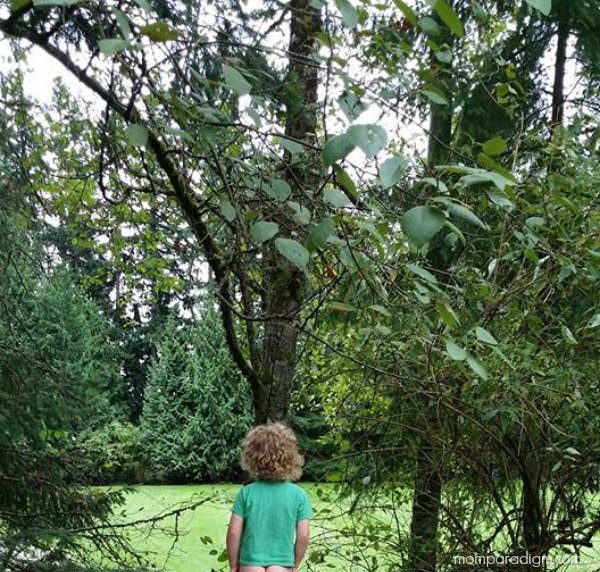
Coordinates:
[227,210]
[462,212]
[544,6]
[380,310]
[222,557]
[429,26]
[301,213]
[439,185]
[449,17]
[478,11]
[253,114]
[594,322]
[456,231]
[351,105]
[419,271]
[344,180]
[477,367]
[483,177]
[447,314]
[500,199]
[319,234]
[408,12]
[535,221]
[18,4]
[335,197]
[337,148]
[349,13]
[370,138]
[292,146]
[421,224]
[122,22]
[159,32]
[455,352]
[112,46]
[279,190]
[55,2]
[568,335]
[435,96]
[484,336]
[235,80]
[293,251]
[144,5]
[494,146]
[491,165]
[391,171]
[263,230]
[444,56]
[137,134]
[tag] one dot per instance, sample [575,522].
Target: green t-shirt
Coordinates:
[270,510]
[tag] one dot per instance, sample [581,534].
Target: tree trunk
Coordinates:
[558,89]
[422,556]
[284,283]
[425,511]
[534,539]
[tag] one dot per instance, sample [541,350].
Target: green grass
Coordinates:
[188,552]
[182,544]
[176,543]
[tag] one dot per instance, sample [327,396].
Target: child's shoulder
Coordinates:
[298,489]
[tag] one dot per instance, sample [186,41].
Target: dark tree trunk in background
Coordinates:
[440,134]
[558,89]
[425,511]
[423,543]
[284,283]
[534,538]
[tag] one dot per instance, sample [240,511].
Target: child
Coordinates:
[267,513]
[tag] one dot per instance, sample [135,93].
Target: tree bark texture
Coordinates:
[423,543]
[558,88]
[284,283]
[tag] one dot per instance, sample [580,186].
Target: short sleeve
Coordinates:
[304,507]
[238,503]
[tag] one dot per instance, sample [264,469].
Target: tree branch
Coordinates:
[183,193]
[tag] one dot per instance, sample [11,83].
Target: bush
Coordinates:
[112,454]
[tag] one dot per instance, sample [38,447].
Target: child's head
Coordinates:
[270,453]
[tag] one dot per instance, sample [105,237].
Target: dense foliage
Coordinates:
[376,220]
[196,408]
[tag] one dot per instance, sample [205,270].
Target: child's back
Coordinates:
[271,511]
[269,526]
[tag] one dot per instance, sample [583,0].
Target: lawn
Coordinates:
[208,520]
[194,539]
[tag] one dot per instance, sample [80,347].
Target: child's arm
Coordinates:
[234,539]
[302,534]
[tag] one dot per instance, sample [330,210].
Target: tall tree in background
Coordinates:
[57,375]
[196,411]
[581,19]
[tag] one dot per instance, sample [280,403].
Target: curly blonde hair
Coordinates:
[270,453]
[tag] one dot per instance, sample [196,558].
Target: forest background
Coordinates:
[376,221]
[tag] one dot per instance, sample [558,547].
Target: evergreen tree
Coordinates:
[197,407]
[56,376]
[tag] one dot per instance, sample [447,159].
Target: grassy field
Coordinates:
[193,540]
[206,520]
